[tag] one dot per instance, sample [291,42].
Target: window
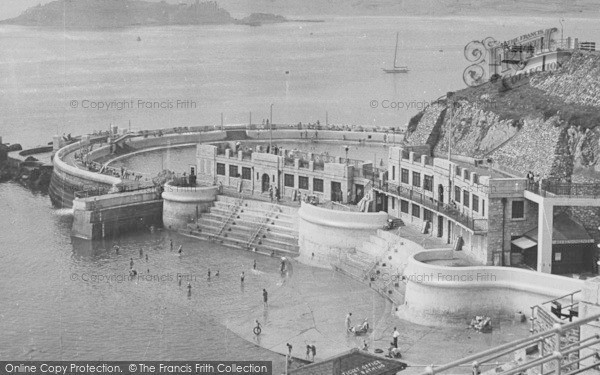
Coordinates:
[465,198]
[428,183]
[318,185]
[246,173]
[393,203]
[475,200]
[483,207]
[465,174]
[457,194]
[518,210]
[403,206]
[416,179]
[303,182]
[221,169]
[393,172]
[457,170]
[427,215]
[404,176]
[233,170]
[288,180]
[416,210]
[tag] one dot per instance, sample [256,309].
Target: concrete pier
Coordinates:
[108,215]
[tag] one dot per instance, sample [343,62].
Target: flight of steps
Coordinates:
[250,225]
[370,264]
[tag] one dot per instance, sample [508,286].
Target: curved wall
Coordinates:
[438,294]
[67,179]
[182,204]
[330,234]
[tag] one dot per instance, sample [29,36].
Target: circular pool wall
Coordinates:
[438,294]
[330,234]
[182,205]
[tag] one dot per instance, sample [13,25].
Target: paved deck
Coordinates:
[304,311]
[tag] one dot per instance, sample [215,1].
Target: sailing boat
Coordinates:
[396,69]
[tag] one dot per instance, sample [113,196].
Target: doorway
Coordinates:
[336,191]
[266,182]
[440,226]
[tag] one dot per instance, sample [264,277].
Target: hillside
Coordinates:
[547,123]
[120,13]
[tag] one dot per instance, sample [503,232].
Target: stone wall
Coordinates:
[475,132]
[511,227]
[426,124]
[578,83]
[524,152]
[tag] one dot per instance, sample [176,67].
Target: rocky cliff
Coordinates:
[547,123]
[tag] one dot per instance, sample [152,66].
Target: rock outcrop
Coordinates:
[547,124]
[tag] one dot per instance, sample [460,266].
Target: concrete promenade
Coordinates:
[303,311]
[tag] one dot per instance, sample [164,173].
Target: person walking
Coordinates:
[348,321]
[265,298]
[395,336]
[254,265]
[242,277]
[171,244]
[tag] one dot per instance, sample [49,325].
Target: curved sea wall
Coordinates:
[440,294]
[330,234]
[67,179]
[183,204]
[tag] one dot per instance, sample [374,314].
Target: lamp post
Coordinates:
[346,148]
[271,130]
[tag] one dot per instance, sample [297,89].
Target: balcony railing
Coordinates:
[564,189]
[476,225]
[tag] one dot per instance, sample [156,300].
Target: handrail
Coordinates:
[509,347]
[260,227]
[561,297]
[233,211]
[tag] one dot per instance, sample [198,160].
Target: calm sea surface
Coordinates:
[52,308]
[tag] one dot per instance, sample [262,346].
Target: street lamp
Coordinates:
[346,148]
[271,130]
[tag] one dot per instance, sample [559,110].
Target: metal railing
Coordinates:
[560,356]
[477,225]
[564,189]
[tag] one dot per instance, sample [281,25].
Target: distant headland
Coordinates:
[103,14]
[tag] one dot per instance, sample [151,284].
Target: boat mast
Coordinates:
[396,50]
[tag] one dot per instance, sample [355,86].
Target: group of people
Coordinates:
[274,193]
[393,350]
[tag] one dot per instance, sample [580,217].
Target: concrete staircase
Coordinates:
[250,225]
[371,265]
